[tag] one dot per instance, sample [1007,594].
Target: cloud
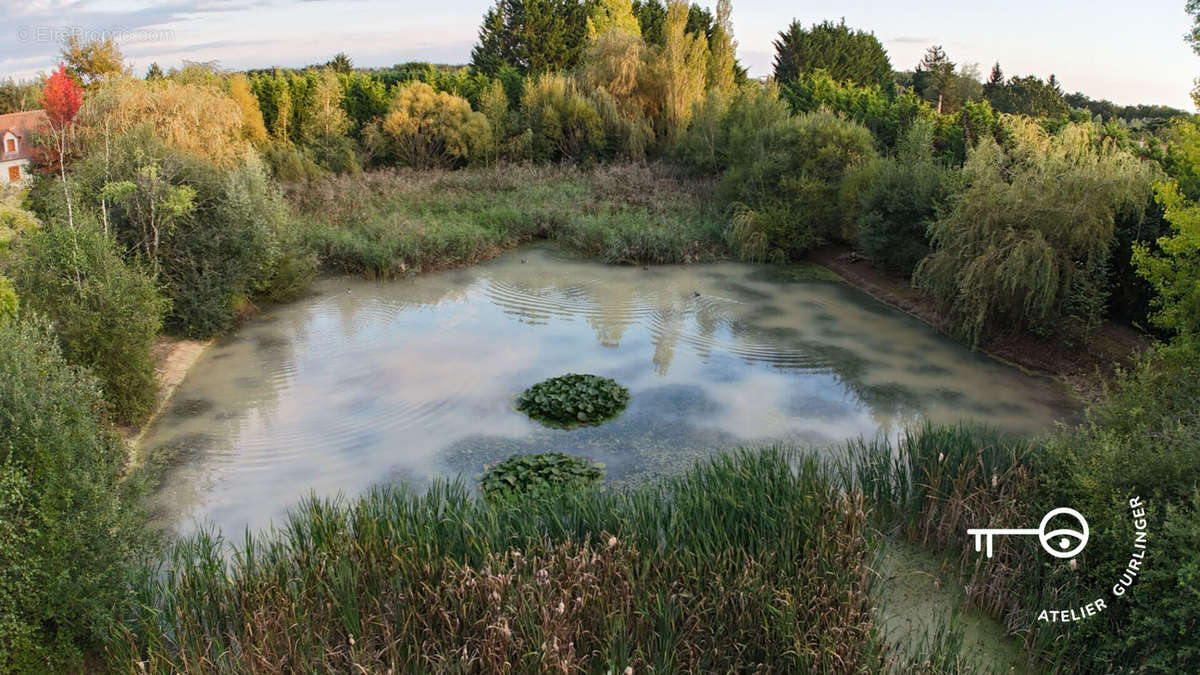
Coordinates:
[912,40]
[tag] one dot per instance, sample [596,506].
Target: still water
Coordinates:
[365,382]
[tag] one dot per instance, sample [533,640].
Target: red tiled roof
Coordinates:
[23,125]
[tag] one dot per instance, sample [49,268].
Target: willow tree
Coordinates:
[613,15]
[200,119]
[1026,243]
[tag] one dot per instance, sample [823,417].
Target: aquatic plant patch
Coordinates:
[574,400]
[540,473]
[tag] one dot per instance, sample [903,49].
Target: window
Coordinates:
[14,174]
[12,145]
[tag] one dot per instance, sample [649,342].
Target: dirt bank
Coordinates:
[1082,371]
[173,358]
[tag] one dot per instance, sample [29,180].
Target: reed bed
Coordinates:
[394,222]
[759,559]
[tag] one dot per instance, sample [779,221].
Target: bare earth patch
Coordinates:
[1083,371]
[173,358]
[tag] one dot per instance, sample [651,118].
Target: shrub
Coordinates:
[106,312]
[524,475]
[1026,243]
[900,201]
[565,123]
[573,400]
[9,302]
[425,128]
[69,526]
[785,186]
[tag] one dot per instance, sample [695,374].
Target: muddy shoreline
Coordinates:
[1082,372]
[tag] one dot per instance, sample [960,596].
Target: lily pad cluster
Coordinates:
[544,473]
[574,400]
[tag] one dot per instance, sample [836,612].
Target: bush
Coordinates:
[9,302]
[565,123]
[573,400]
[538,475]
[900,201]
[785,187]
[69,526]
[426,128]
[106,312]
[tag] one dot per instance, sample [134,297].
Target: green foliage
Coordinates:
[532,36]
[1175,271]
[9,302]
[565,124]
[785,184]
[1028,95]
[69,526]
[105,312]
[885,114]
[673,577]
[846,55]
[900,201]
[573,400]
[386,223]
[235,242]
[537,475]
[1026,243]
[727,130]
[425,129]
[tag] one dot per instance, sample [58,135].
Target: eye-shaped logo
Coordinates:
[1055,542]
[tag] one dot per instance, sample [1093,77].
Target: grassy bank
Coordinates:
[395,222]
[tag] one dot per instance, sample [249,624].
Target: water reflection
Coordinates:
[368,382]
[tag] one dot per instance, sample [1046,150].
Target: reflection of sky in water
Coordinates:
[371,382]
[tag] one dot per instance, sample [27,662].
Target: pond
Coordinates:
[364,383]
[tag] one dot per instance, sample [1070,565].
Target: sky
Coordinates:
[1126,52]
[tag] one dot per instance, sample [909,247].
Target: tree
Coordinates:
[848,55]
[105,317]
[90,62]
[427,128]
[340,63]
[1175,272]
[154,72]
[61,99]
[722,50]
[1026,244]
[153,204]
[684,64]
[326,117]
[71,528]
[533,36]
[933,79]
[253,128]
[651,16]
[1029,96]
[613,15]
[995,80]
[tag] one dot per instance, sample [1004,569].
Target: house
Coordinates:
[16,145]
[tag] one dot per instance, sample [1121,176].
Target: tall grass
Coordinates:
[753,559]
[395,222]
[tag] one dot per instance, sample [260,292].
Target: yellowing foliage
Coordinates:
[199,119]
[252,120]
[428,128]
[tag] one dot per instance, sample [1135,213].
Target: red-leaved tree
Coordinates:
[61,99]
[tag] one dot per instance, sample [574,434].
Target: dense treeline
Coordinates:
[178,201]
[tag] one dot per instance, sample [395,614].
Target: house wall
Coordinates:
[23,165]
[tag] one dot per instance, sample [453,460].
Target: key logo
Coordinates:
[1057,542]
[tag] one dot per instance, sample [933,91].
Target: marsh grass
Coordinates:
[395,222]
[758,558]
[750,558]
